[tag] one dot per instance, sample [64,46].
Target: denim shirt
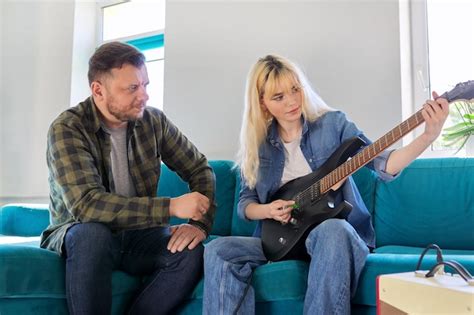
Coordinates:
[319,140]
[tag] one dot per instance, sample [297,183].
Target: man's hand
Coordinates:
[184,235]
[189,206]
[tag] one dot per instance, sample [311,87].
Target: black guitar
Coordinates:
[313,196]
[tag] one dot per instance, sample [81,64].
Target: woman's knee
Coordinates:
[332,233]
[333,228]
[232,248]
[212,250]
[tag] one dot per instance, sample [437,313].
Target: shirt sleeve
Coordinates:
[75,180]
[246,197]
[181,156]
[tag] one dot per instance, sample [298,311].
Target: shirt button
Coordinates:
[310,160]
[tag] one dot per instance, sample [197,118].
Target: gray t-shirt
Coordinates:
[119,162]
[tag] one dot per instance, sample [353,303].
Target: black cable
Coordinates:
[439,255]
[247,287]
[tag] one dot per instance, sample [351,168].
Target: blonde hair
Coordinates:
[264,77]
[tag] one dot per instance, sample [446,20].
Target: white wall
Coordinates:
[349,50]
[36,79]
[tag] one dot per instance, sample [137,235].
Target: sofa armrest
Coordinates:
[23,219]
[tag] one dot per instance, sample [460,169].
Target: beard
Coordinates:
[122,115]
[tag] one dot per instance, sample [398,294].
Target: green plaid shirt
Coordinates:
[80,175]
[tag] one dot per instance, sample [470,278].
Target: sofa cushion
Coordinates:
[432,201]
[45,276]
[23,219]
[171,185]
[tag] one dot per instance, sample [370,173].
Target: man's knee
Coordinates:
[195,255]
[93,237]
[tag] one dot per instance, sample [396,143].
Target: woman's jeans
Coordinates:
[93,252]
[337,257]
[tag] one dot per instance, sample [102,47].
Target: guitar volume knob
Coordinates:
[282,240]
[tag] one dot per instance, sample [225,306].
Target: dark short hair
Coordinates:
[113,55]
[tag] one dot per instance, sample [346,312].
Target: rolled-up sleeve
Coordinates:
[246,197]
[379,164]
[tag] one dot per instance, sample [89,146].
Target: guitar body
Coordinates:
[286,241]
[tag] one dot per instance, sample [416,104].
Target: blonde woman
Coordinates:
[287,132]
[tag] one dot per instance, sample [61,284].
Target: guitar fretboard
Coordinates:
[370,152]
[365,156]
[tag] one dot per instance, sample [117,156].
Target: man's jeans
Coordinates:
[337,257]
[93,252]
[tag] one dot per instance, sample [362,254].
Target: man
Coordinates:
[104,159]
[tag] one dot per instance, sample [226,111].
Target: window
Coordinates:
[442,49]
[144,29]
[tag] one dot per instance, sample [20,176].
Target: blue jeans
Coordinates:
[93,252]
[337,253]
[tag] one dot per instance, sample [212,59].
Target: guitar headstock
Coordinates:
[464,90]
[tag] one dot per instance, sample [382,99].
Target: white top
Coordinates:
[295,162]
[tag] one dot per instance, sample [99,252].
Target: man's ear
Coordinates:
[97,90]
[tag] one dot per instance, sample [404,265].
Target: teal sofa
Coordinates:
[432,201]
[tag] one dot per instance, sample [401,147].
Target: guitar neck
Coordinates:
[369,153]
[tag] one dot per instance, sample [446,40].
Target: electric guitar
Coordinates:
[313,196]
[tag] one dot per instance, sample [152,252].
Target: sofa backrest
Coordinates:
[227,194]
[366,181]
[23,219]
[432,201]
